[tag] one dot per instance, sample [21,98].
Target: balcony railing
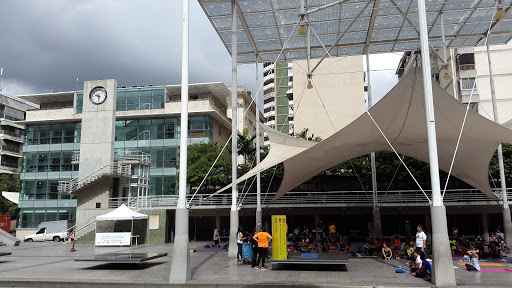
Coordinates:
[10,149]
[467,67]
[9,165]
[12,134]
[332,198]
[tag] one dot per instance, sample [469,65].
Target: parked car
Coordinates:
[41,235]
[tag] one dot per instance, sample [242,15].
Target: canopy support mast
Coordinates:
[443,273]
[258,178]
[234,146]
[180,265]
[507,224]
[377,225]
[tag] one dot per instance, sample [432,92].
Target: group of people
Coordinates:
[260,242]
[480,247]
[319,240]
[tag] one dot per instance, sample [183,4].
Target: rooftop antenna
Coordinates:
[1,73]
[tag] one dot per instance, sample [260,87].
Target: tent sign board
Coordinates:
[279,230]
[113,239]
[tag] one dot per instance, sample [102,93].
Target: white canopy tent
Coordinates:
[123,213]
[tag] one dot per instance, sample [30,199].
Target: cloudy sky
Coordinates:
[47,44]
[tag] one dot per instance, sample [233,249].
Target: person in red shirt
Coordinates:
[263,239]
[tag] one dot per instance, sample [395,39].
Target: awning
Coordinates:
[122,213]
[401,117]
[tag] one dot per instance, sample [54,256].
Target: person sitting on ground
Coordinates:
[417,262]
[348,250]
[409,252]
[377,244]
[216,240]
[341,245]
[296,246]
[474,261]
[396,242]
[498,233]
[369,247]
[494,249]
[387,253]
[425,268]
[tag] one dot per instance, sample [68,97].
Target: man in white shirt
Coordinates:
[421,240]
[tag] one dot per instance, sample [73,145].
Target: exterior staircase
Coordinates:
[94,176]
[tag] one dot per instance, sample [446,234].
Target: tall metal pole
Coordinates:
[180,265]
[443,274]
[443,38]
[258,179]
[234,93]
[507,224]
[377,225]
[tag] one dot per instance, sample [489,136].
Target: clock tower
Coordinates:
[96,144]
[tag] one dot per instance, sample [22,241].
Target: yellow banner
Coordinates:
[279,243]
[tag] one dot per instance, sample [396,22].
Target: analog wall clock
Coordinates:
[98,95]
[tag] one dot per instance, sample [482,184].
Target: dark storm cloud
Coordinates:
[46,45]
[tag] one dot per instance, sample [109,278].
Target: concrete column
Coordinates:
[259,215]
[428,228]
[233,227]
[485,227]
[180,265]
[442,268]
[217,222]
[377,225]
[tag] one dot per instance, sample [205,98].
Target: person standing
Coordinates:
[408,234]
[263,239]
[332,229]
[72,238]
[240,244]
[421,240]
[254,244]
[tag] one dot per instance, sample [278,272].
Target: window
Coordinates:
[467,84]
[55,161]
[466,61]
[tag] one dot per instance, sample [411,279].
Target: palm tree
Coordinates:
[246,146]
[304,135]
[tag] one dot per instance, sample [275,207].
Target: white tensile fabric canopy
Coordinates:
[401,117]
[122,213]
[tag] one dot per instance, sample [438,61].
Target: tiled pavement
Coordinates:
[51,265]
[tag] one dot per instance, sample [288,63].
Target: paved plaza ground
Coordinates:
[52,265]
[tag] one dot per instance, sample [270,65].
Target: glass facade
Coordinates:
[31,217]
[53,134]
[49,150]
[132,99]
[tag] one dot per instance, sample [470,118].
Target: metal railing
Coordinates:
[112,168]
[126,155]
[133,156]
[332,198]
[12,134]
[10,149]
[9,165]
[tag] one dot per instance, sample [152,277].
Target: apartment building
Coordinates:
[12,109]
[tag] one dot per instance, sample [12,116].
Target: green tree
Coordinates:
[201,157]
[245,145]
[10,183]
